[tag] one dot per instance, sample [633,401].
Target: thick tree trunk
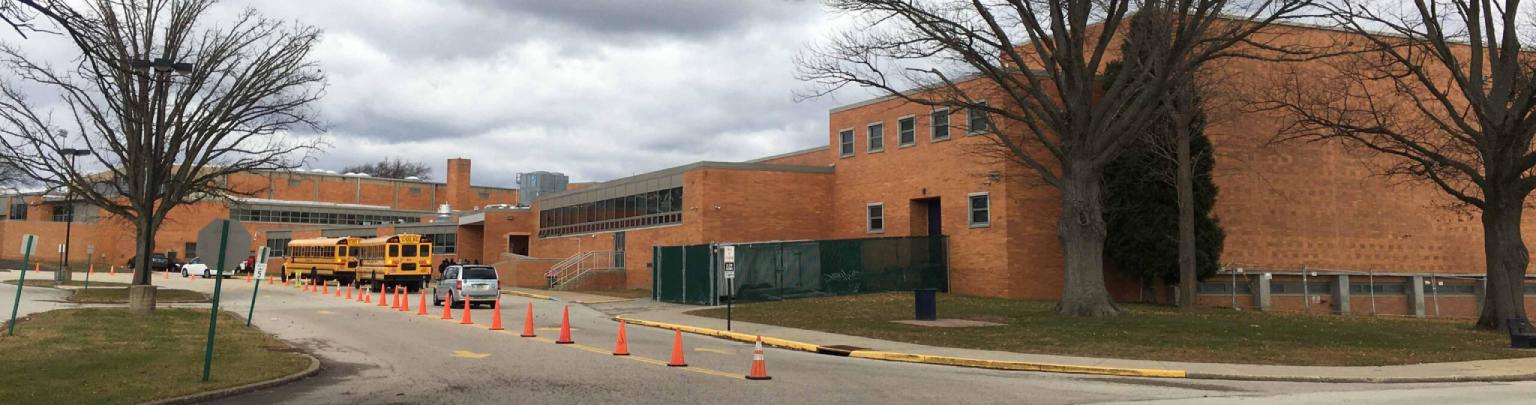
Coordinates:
[1186,190]
[1082,231]
[1507,259]
[144,248]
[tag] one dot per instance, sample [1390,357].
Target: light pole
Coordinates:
[159,66]
[63,275]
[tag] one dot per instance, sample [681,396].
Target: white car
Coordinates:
[197,268]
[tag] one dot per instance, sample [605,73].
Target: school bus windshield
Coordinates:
[408,251]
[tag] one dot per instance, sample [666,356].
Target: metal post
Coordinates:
[1372,275]
[1434,285]
[69,223]
[1233,291]
[1306,295]
[26,255]
[88,270]
[213,314]
[261,263]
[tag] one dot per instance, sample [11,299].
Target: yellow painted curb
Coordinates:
[531,295]
[919,358]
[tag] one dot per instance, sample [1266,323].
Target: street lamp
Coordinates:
[63,275]
[159,66]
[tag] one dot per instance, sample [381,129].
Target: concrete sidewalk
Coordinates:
[567,296]
[1484,370]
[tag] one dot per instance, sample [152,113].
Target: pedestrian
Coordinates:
[443,267]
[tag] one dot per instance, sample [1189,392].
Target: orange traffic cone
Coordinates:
[194,277]
[362,294]
[37,268]
[269,280]
[405,300]
[447,306]
[423,304]
[92,269]
[326,288]
[677,351]
[349,293]
[112,270]
[759,369]
[167,274]
[466,320]
[247,278]
[528,322]
[621,347]
[565,327]
[496,315]
[339,288]
[383,301]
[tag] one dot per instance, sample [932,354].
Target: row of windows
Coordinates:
[318,252]
[906,130]
[329,218]
[19,211]
[626,223]
[1218,287]
[278,247]
[443,243]
[979,213]
[644,209]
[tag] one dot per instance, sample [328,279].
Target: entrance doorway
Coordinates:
[927,217]
[517,244]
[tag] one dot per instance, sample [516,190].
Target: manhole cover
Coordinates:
[838,350]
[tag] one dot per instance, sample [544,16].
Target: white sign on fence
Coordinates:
[729,252]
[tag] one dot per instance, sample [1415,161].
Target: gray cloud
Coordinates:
[596,89]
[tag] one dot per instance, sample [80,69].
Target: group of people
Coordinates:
[449,262]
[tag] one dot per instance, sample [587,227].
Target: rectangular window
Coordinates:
[876,218]
[394,251]
[938,124]
[976,120]
[981,210]
[278,247]
[877,137]
[906,131]
[408,251]
[845,138]
[19,210]
[63,213]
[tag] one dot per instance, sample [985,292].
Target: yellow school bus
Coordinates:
[404,259]
[322,259]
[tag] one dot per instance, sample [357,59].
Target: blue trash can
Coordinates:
[927,303]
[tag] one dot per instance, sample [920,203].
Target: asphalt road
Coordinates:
[373,355]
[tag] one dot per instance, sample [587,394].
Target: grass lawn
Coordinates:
[120,296]
[105,356]
[1145,332]
[71,283]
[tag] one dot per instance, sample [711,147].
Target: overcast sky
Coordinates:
[597,89]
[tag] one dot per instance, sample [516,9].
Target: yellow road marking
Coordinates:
[465,354]
[324,312]
[714,350]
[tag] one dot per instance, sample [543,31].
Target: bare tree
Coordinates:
[1035,68]
[166,105]
[24,16]
[1445,92]
[394,168]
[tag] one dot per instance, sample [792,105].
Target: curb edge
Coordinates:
[916,358]
[314,368]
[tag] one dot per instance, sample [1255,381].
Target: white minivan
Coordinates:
[472,284]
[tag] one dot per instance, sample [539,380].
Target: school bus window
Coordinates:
[394,250]
[409,251]
[426,250]
[353,252]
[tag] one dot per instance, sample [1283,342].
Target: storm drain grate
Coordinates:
[838,350]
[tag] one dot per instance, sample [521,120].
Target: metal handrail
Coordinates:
[572,269]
